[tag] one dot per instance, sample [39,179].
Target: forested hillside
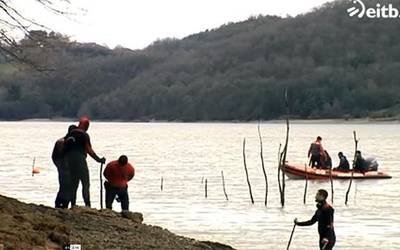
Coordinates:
[333,66]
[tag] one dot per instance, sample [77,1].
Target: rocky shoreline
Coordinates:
[30,226]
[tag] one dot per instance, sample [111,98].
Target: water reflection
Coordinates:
[185,154]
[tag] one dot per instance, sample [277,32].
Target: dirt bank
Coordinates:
[30,226]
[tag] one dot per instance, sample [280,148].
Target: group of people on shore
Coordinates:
[319,158]
[69,156]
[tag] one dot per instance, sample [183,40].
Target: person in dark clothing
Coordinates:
[360,164]
[327,163]
[118,173]
[324,216]
[64,176]
[316,153]
[343,164]
[77,146]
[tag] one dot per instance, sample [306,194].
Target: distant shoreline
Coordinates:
[391,120]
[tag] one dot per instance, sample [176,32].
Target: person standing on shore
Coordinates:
[77,146]
[324,216]
[118,173]
[63,197]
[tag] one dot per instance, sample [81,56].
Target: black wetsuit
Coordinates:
[324,216]
[64,177]
[75,158]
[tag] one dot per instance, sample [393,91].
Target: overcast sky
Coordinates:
[136,23]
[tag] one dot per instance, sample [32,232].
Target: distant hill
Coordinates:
[332,65]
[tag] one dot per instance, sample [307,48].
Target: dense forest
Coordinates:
[333,66]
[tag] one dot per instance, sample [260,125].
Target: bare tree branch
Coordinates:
[13,21]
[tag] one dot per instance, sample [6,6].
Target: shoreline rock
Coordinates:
[30,226]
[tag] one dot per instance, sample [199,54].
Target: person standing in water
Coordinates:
[324,216]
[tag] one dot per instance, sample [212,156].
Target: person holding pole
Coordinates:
[118,173]
[77,146]
[324,216]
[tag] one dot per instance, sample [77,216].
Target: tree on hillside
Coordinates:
[13,23]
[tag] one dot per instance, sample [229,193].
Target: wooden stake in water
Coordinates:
[162,183]
[245,169]
[205,189]
[33,166]
[279,168]
[262,164]
[305,186]
[223,185]
[283,161]
[354,163]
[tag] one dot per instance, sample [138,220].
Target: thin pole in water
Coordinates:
[33,166]
[245,169]
[306,185]
[205,188]
[223,185]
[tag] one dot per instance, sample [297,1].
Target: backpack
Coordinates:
[58,151]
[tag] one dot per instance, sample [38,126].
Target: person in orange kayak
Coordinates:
[324,216]
[316,153]
[64,176]
[118,173]
[77,146]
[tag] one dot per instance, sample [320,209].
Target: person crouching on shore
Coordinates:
[118,173]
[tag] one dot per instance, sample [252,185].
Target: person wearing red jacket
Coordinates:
[118,173]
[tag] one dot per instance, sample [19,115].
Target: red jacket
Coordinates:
[118,176]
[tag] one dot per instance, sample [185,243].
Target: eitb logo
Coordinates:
[379,11]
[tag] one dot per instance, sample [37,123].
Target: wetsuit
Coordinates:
[117,183]
[76,143]
[324,216]
[64,177]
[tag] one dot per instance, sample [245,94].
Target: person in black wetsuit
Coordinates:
[77,146]
[324,216]
[63,197]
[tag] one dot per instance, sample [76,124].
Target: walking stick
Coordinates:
[101,185]
[291,235]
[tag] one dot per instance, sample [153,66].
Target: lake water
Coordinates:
[185,154]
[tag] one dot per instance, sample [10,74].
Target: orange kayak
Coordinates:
[300,172]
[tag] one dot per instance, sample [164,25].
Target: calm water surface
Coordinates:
[185,154]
